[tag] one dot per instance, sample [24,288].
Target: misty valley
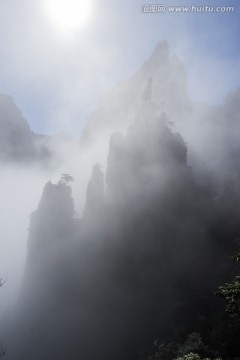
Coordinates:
[131,243]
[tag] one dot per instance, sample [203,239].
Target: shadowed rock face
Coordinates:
[17,141]
[151,247]
[105,286]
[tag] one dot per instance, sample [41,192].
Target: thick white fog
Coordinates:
[20,189]
[198,123]
[21,186]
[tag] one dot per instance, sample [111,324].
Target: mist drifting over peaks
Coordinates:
[134,248]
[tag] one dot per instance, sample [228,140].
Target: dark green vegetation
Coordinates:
[231,293]
[194,348]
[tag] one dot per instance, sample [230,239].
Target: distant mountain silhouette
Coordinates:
[168,93]
[17,141]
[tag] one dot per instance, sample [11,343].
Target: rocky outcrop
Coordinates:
[168,92]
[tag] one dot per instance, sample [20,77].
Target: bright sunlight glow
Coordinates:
[68,15]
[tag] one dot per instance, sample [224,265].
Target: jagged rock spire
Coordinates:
[95,193]
[147,94]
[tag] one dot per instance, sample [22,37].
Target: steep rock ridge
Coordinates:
[17,141]
[50,226]
[211,135]
[43,315]
[149,190]
[95,194]
[210,131]
[169,93]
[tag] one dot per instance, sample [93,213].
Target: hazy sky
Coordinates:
[57,73]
